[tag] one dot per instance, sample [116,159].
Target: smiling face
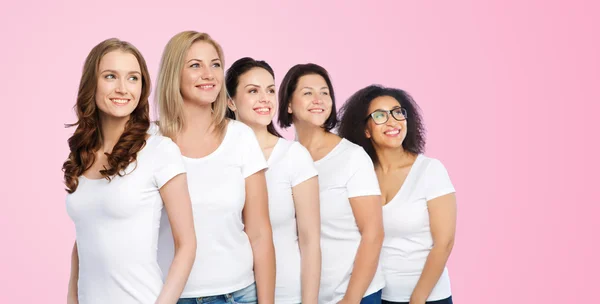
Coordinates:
[202,74]
[255,98]
[119,84]
[388,134]
[311,102]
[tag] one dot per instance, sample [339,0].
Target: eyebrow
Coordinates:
[311,88]
[194,59]
[255,85]
[115,72]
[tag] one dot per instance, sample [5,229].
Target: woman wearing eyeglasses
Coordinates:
[419,212]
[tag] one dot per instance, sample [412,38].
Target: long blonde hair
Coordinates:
[168,98]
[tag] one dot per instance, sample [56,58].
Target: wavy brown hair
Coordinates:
[87,138]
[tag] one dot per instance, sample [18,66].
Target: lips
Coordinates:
[263,110]
[120,101]
[206,86]
[392,132]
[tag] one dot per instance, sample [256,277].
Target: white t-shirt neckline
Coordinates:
[214,153]
[407,182]
[332,152]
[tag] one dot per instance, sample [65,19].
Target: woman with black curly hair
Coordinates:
[419,212]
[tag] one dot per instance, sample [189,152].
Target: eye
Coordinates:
[253,91]
[378,115]
[307,93]
[195,65]
[110,76]
[272,91]
[325,93]
[133,78]
[217,65]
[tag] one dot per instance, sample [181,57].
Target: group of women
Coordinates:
[210,204]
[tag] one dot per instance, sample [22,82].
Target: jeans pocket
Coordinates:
[246,295]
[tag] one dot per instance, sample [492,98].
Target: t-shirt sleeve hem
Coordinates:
[439,193]
[251,170]
[364,193]
[168,173]
[304,177]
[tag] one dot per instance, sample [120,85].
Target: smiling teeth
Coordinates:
[263,110]
[317,111]
[393,132]
[207,86]
[122,101]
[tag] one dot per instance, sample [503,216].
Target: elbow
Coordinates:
[187,246]
[445,246]
[374,237]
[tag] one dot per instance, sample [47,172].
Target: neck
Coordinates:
[262,135]
[112,129]
[310,136]
[198,118]
[393,158]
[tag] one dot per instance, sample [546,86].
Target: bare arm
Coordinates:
[258,228]
[442,220]
[178,205]
[369,219]
[72,292]
[306,201]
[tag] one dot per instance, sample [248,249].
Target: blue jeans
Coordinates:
[374,298]
[443,301]
[246,295]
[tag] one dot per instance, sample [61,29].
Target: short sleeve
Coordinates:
[253,159]
[302,164]
[168,162]
[363,181]
[438,180]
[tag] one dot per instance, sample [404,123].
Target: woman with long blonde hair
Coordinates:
[226,170]
[119,178]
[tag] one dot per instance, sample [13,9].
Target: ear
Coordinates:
[290,108]
[367,133]
[231,105]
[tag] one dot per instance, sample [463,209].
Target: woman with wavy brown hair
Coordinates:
[118,179]
[226,169]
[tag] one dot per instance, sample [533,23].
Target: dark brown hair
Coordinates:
[232,80]
[87,138]
[288,86]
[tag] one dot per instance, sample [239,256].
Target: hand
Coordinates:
[346,301]
[414,299]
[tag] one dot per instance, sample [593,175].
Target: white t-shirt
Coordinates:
[346,172]
[408,239]
[289,165]
[117,227]
[224,260]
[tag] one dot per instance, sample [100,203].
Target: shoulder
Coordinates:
[237,127]
[434,168]
[355,152]
[161,145]
[297,151]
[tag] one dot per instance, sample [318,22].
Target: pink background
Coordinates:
[509,92]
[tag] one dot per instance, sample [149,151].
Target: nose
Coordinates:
[317,100]
[207,74]
[121,87]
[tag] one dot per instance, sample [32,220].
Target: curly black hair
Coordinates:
[354,113]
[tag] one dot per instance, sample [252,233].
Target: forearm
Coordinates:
[264,267]
[433,269]
[72,292]
[365,267]
[178,273]
[311,271]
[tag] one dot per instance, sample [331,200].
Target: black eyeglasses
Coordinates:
[382,116]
